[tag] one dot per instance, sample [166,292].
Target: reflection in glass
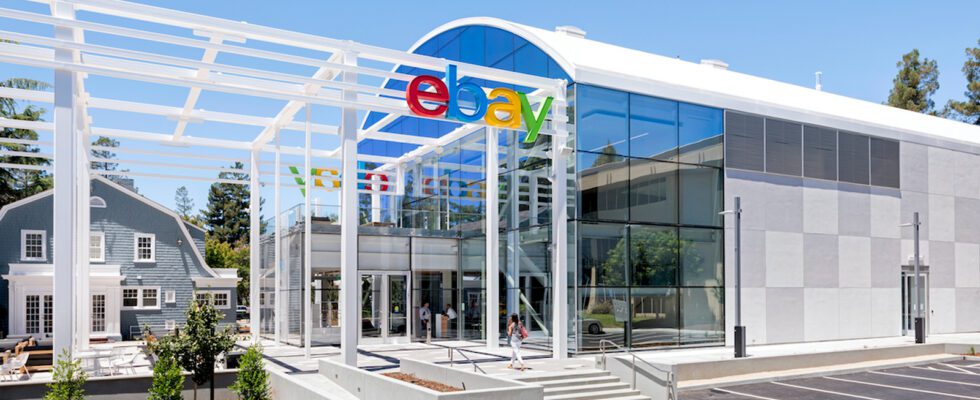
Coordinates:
[602,254]
[602,314]
[653,191]
[602,123]
[653,127]
[701,135]
[702,195]
[654,314]
[702,257]
[603,187]
[702,315]
[653,255]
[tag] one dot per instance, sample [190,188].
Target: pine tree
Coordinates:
[184,203]
[969,110]
[168,380]
[915,84]
[253,380]
[103,153]
[227,215]
[16,184]
[67,379]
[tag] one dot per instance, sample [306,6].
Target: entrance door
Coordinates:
[384,307]
[910,306]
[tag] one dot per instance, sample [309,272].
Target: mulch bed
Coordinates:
[422,382]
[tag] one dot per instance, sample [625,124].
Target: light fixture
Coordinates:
[179,242]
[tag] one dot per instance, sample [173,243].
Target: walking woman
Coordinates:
[516,333]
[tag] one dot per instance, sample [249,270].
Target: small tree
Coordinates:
[202,342]
[67,379]
[168,379]
[253,380]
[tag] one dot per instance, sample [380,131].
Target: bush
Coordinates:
[168,380]
[253,380]
[67,379]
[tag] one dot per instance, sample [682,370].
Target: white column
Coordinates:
[492,228]
[306,280]
[255,224]
[66,144]
[559,229]
[276,298]
[350,282]
[83,280]
[376,198]
[513,274]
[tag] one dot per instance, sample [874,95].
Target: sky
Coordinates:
[856,44]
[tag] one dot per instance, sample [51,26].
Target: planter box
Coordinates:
[367,385]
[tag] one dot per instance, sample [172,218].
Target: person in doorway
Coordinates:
[516,333]
[450,317]
[424,316]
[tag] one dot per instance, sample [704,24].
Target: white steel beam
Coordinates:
[195,92]
[254,247]
[559,231]
[307,277]
[277,210]
[492,228]
[349,280]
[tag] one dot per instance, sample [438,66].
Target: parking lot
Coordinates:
[946,380]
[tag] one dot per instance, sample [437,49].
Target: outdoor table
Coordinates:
[95,355]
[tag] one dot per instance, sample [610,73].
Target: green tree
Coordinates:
[227,215]
[253,380]
[16,184]
[168,380]
[184,203]
[915,84]
[968,110]
[101,153]
[67,379]
[218,254]
[201,342]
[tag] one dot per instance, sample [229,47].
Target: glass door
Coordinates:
[910,306]
[384,306]
[371,304]
[397,303]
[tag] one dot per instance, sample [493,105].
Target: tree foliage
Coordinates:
[168,380]
[16,184]
[227,214]
[67,379]
[968,110]
[185,205]
[917,80]
[253,380]
[218,254]
[200,342]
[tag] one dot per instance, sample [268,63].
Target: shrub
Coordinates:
[168,380]
[253,380]
[67,379]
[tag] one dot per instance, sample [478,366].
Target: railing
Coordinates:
[453,350]
[670,374]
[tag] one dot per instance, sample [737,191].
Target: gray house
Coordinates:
[146,264]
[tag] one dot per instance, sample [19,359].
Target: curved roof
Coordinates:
[593,62]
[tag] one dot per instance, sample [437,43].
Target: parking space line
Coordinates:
[924,378]
[902,388]
[826,391]
[743,394]
[957,368]
[942,370]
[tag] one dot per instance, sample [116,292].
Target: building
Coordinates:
[662,146]
[146,264]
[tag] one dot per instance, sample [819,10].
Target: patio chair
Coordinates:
[127,361]
[14,365]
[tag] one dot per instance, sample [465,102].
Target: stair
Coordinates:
[583,385]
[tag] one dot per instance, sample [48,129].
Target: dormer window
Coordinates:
[96,202]
[33,245]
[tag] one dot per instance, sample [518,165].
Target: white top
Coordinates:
[451,313]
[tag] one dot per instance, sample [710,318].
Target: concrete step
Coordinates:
[591,380]
[563,375]
[589,387]
[617,394]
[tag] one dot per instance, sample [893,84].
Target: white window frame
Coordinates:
[169,325]
[139,298]
[170,296]
[96,202]
[227,293]
[101,256]
[153,248]
[23,244]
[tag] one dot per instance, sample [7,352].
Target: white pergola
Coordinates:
[259,62]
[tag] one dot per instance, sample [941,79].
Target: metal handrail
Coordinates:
[452,362]
[670,374]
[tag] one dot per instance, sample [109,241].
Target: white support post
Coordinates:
[66,224]
[307,279]
[83,298]
[513,273]
[492,228]
[276,298]
[559,230]
[255,225]
[376,198]
[349,280]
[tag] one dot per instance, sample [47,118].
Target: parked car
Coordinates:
[591,326]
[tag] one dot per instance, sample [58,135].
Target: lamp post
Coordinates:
[739,328]
[917,295]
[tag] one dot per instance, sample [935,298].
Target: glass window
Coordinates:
[603,187]
[602,125]
[884,163]
[98,313]
[471,44]
[654,314]
[145,248]
[819,153]
[701,134]
[852,158]
[48,313]
[150,298]
[602,254]
[744,141]
[603,314]
[702,256]
[702,315]
[784,147]
[130,298]
[653,255]
[32,314]
[653,191]
[653,127]
[96,249]
[701,195]
[32,245]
